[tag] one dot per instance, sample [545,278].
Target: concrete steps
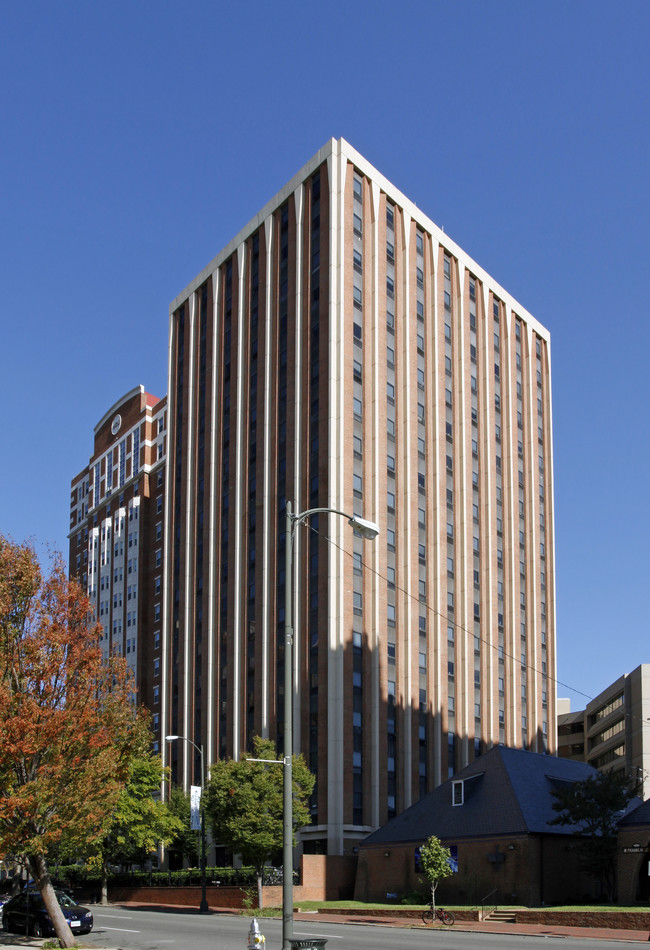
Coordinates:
[502,917]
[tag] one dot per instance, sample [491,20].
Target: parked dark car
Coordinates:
[26,914]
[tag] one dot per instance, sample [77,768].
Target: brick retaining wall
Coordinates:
[217,897]
[632,920]
[564,918]
[394,911]
[324,877]
[232,897]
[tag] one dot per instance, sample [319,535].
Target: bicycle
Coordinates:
[445,916]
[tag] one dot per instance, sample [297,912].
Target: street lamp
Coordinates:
[369,531]
[203,906]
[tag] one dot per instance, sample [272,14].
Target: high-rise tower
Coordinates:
[116,536]
[343,352]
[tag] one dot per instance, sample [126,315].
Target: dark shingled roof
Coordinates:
[506,792]
[637,816]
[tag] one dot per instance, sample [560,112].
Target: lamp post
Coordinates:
[368,530]
[203,906]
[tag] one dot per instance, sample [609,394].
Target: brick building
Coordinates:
[343,352]
[633,865]
[496,817]
[117,510]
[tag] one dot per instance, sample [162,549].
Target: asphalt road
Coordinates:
[122,928]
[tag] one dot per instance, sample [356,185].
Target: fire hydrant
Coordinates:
[255,938]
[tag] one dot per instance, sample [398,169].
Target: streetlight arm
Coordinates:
[198,748]
[368,529]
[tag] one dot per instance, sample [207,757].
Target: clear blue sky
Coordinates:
[138,137]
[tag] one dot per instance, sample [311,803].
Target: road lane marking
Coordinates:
[117,916]
[122,930]
[328,936]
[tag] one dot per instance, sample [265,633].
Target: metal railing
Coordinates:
[490,908]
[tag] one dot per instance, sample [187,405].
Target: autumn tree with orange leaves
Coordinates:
[67,719]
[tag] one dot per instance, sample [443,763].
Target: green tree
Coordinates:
[139,821]
[67,721]
[434,864]
[594,806]
[244,803]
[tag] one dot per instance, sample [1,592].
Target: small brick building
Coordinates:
[495,816]
[634,856]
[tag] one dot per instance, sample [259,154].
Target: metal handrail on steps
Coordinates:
[491,908]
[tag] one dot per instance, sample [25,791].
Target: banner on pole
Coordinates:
[195,807]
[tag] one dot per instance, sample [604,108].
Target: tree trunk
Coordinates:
[15,882]
[260,896]
[104,895]
[41,875]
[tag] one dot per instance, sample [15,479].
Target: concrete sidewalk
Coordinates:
[486,926]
